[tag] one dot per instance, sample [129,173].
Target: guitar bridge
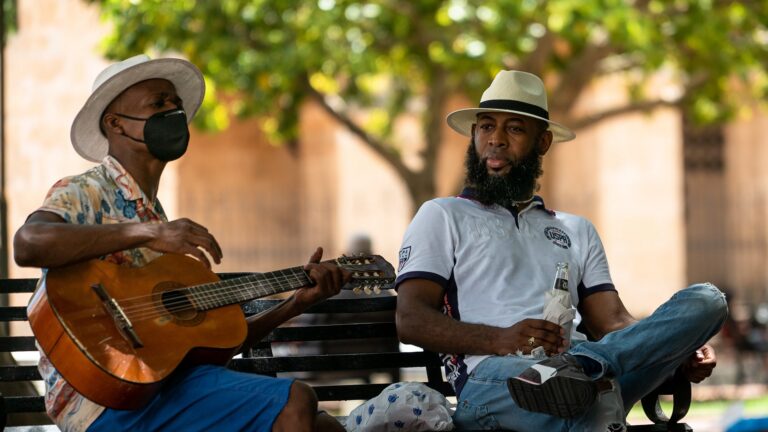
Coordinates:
[118,316]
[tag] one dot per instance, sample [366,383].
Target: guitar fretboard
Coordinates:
[233,291]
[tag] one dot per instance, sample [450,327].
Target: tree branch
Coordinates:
[577,76]
[389,155]
[693,84]
[645,106]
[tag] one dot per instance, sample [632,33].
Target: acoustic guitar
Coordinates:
[115,333]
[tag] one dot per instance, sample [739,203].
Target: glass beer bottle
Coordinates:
[560,291]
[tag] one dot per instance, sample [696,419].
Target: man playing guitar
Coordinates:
[134,122]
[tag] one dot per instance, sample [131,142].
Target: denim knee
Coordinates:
[711,300]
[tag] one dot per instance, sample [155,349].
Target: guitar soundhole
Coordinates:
[176,302]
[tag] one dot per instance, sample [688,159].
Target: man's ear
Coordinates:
[111,123]
[474,125]
[545,141]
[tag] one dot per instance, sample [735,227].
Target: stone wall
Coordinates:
[625,175]
[746,206]
[50,66]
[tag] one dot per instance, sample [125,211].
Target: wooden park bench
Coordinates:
[15,409]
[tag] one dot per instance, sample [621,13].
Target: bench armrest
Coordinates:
[680,389]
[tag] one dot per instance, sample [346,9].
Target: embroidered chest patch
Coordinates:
[558,237]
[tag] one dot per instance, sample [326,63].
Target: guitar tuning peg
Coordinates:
[366,274]
[356,290]
[356,274]
[367,289]
[377,289]
[367,261]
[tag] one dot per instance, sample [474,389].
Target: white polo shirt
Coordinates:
[495,266]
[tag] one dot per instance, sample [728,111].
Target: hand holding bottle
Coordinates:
[559,308]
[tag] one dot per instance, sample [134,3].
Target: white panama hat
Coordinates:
[86,136]
[513,92]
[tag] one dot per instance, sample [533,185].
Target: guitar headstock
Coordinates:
[370,273]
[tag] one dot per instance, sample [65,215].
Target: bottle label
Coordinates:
[561,284]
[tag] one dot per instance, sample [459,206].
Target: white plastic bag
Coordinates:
[404,406]
[560,311]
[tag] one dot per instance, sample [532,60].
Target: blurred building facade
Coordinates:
[673,203]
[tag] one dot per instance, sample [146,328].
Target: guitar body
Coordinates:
[84,343]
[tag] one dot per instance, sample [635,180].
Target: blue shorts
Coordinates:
[209,398]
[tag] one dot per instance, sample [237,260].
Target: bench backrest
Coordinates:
[351,334]
[10,372]
[331,342]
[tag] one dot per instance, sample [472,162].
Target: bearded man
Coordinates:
[474,274]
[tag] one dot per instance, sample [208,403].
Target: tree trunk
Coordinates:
[421,188]
[422,185]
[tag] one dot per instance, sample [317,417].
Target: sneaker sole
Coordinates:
[559,396]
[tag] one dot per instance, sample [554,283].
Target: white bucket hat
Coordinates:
[513,92]
[87,137]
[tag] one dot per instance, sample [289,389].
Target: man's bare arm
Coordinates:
[46,240]
[420,322]
[604,312]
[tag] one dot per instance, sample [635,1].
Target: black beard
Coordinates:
[517,185]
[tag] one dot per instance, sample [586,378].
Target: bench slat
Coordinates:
[17,285]
[21,404]
[13,313]
[348,392]
[330,332]
[354,305]
[283,334]
[17,343]
[19,373]
[331,362]
[365,391]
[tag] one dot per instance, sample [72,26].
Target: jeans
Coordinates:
[637,358]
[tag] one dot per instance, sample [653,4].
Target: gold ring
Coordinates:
[531,340]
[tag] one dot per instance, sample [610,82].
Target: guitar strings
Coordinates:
[252,285]
[150,310]
[186,301]
[294,273]
[159,310]
[222,285]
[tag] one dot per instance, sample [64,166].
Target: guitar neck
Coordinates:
[239,290]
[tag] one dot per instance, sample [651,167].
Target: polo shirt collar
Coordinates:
[538,202]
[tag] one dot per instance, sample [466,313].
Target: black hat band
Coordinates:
[514,105]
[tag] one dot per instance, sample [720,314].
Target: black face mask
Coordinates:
[165,133]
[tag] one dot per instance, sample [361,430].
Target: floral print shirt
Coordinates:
[105,194]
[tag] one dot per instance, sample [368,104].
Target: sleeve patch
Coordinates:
[405,253]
